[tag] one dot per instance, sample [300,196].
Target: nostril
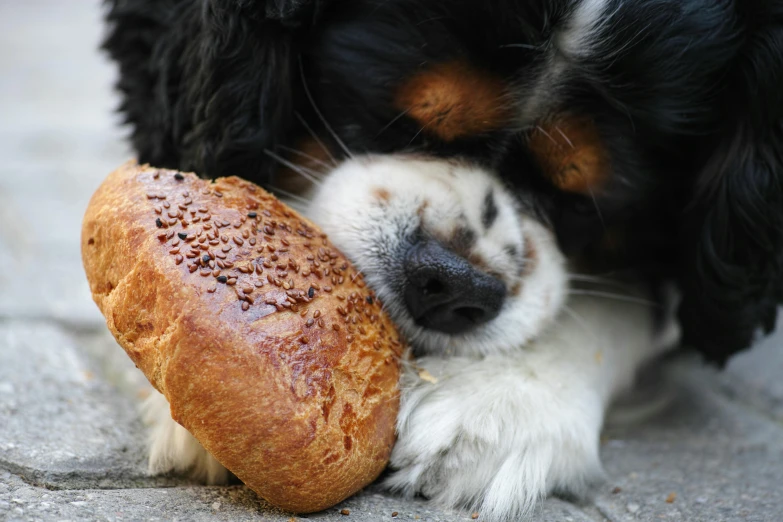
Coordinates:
[433,287]
[472,314]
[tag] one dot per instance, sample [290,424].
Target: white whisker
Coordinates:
[564,136]
[316,138]
[306,156]
[597,208]
[416,135]
[302,171]
[522,46]
[319,114]
[545,133]
[392,122]
[581,278]
[296,199]
[579,320]
[617,297]
[589,279]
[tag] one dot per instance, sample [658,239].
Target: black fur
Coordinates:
[732,231]
[208,85]
[686,95]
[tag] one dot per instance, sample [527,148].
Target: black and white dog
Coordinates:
[486,164]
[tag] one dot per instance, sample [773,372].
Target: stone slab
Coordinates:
[703,458]
[62,424]
[20,502]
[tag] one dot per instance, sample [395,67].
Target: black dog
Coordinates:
[643,135]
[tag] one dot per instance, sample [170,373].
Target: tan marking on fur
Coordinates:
[571,154]
[530,258]
[478,261]
[422,208]
[455,100]
[381,194]
[312,157]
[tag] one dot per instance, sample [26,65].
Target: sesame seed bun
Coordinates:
[264,339]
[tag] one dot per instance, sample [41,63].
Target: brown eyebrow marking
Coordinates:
[571,153]
[454,99]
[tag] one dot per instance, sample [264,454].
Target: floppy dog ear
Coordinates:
[209,85]
[241,77]
[732,235]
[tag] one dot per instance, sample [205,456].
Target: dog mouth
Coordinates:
[454,321]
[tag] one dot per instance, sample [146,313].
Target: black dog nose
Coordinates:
[444,292]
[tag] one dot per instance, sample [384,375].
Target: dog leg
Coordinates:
[498,433]
[173,449]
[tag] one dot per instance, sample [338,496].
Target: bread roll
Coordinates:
[265,340]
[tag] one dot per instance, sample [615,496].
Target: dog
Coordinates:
[545,194]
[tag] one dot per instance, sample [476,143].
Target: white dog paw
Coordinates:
[491,435]
[173,449]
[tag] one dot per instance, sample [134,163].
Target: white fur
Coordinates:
[173,448]
[371,232]
[574,41]
[517,405]
[497,433]
[578,35]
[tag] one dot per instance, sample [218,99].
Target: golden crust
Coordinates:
[286,372]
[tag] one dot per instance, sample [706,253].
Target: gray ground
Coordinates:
[71,442]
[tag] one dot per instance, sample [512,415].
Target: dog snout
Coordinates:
[444,292]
